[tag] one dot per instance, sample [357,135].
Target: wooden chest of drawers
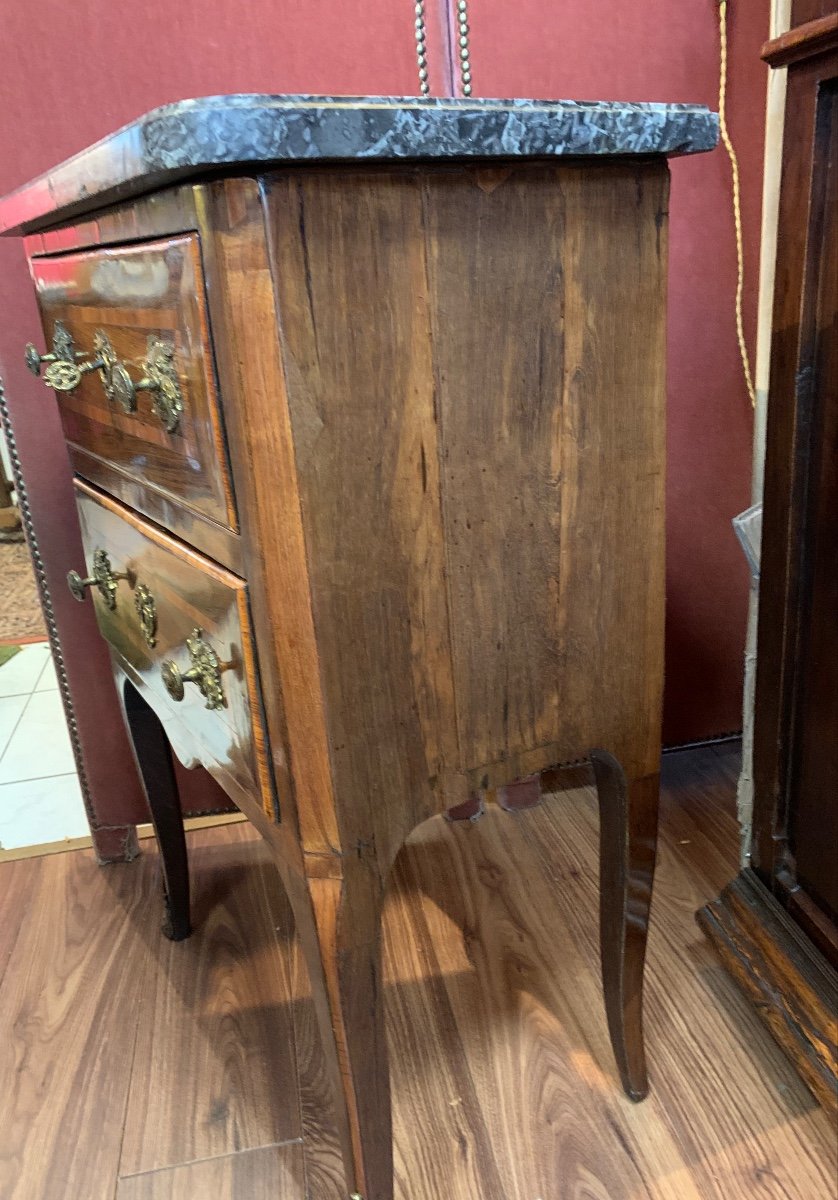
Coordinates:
[370,453]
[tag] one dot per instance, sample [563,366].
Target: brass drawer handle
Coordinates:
[205,672]
[66,366]
[104,578]
[64,370]
[159,378]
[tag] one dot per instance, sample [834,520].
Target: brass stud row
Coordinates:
[421,48]
[462,46]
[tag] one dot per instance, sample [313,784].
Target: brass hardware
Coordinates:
[420,31]
[115,379]
[463,47]
[147,612]
[205,672]
[64,372]
[159,378]
[162,381]
[103,578]
[421,55]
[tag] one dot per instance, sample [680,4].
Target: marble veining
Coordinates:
[183,139]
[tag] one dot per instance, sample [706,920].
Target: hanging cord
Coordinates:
[737,202]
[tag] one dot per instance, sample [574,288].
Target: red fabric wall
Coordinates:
[72,75]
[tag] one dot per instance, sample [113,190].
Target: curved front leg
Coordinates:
[154,763]
[339,926]
[628,839]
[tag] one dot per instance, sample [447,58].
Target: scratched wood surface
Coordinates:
[503,1085]
[479,439]
[553,455]
[272,1172]
[360,385]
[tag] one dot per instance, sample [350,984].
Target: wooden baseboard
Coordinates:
[792,987]
[86,842]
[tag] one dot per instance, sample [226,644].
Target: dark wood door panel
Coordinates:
[813,805]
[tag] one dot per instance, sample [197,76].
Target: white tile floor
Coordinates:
[40,799]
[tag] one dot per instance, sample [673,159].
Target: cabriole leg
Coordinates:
[628,837]
[340,932]
[154,762]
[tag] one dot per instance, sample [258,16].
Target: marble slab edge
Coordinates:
[192,138]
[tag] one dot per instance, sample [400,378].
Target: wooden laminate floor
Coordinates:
[135,1069]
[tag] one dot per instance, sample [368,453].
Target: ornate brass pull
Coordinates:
[159,378]
[64,372]
[147,612]
[205,672]
[66,367]
[103,578]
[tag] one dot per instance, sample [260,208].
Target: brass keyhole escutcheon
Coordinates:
[147,612]
[115,379]
[103,578]
[205,672]
[159,379]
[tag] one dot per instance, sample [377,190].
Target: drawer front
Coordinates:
[148,303]
[150,616]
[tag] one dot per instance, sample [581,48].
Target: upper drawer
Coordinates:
[141,312]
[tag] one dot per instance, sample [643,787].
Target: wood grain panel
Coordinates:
[164,214]
[275,1172]
[553,453]
[795,818]
[360,389]
[212,539]
[217,1071]
[131,292]
[543,454]
[68,1041]
[189,592]
[482,509]
[813,802]
[242,296]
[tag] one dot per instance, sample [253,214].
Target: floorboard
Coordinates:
[67,1027]
[137,1069]
[214,1022]
[19,881]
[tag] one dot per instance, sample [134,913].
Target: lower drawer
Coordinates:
[179,627]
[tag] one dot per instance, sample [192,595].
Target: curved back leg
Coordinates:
[628,811]
[154,763]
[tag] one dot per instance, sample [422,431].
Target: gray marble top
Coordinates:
[193,137]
